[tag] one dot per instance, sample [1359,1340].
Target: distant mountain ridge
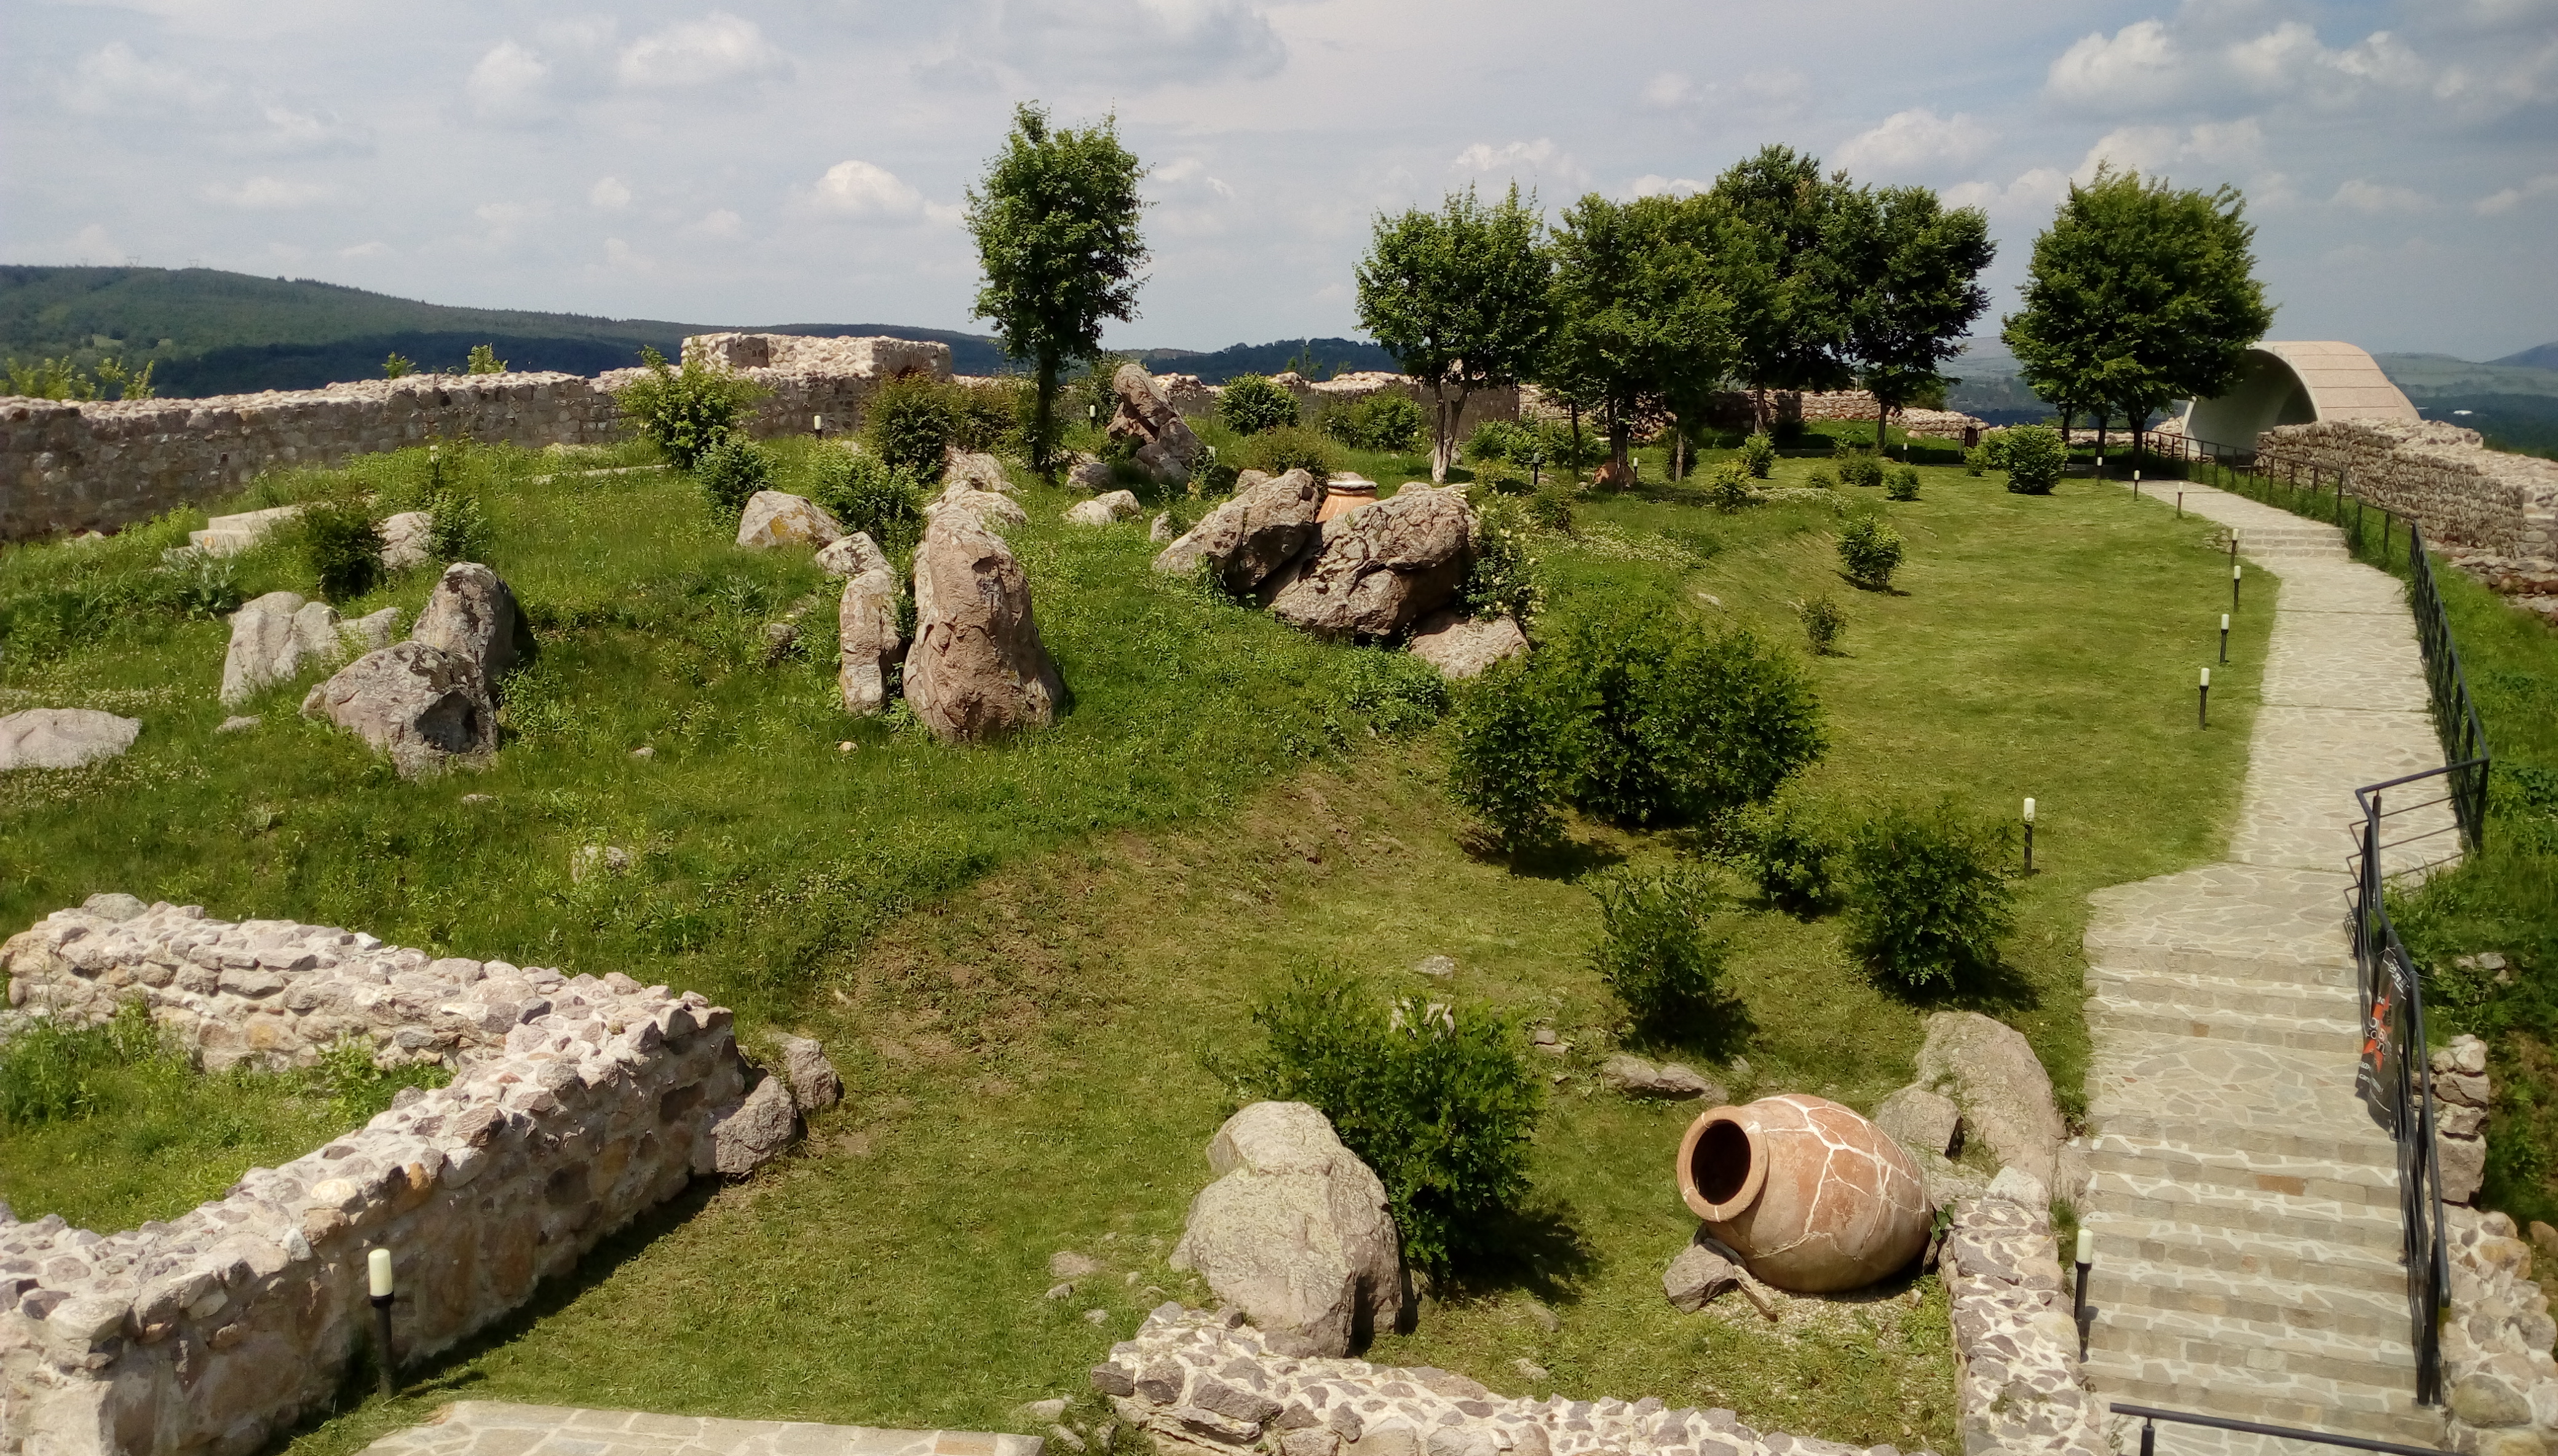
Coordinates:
[2540,357]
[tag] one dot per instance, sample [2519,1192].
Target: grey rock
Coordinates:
[1462,648]
[272,637]
[748,1135]
[113,905]
[63,738]
[1096,1316]
[1440,966]
[779,519]
[988,508]
[239,723]
[2463,1161]
[406,539]
[976,471]
[1107,510]
[415,702]
[1697,1277]
[2469,1053]
[1146,419]
[1920,1121]
[2460,1089]
[1065,1263]
[813,1083]
[977,669]
[1050,1409]
[867,640]
[1059,1291]
[1250,538]
[1090,475]
[1294,1233]
[1637,1077]
[594,859]
[2022,1188]
[2491,1397]
[470,614]
[1378,571]
[1991,1073]
[1161,531]
[371,631]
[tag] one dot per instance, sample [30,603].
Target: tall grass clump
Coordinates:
[1655,951]
[1929,895]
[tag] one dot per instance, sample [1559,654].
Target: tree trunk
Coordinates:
[1616,435]
[1442,450]
[1882,417]
[1575,412]
[1044,417]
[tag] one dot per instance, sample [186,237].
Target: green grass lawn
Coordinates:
[1019,956]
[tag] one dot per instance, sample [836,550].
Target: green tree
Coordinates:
[1915,268]
[1788,291]
[1459,298]
[1056,223]
[2139,294]
[1639,314]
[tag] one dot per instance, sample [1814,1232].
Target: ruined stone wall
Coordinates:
[2444,477]
[71,466]
[578,1103]
[1314,396]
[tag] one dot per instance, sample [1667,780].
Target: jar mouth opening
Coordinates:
[1721,1166]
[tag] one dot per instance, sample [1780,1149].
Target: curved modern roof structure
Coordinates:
[2298,384]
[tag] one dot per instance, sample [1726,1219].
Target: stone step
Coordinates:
[2373,1414]
[2273,1273]
[2158,949]
[2340,1146]
[2151,1018]
[2252,995]
[2332,1369]
[2371,1226]
[2231,1172]
[2144,1300]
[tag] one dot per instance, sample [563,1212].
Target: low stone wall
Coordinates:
[1196,399]
[2444,477]
[2018,1384]
[578,1103]
[2496,1366]
[1208,1384]
[1857,404]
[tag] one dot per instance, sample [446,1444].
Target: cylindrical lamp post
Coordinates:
[2224,637]
[2029,835]
[2136,482]
[378,1264]
[2086,1257]
[2203,701]
[2234,570]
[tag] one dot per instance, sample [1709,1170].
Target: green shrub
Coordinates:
[994,416]
[1822,480]
[867,495]
[1976,461]
[1503,581]
[1758,456]
[1439,1101]
[1511,762]
[1395,691]
[1860,467]
[911,423]
[1250,404]
[1869,552]
[685,411]
[731,472]
[1993,447]
[1551,508]
[1385,421]
[1681,722]
[1928,894]
[194,584]
[1654,952]
[48,1070]
[458,527]
[1904,485]
[341,546]
[1291,447]
[1502,439]
[1823,623]
[2035,457]
[398,367]
[1792,856]
[1729,487]
[484,359]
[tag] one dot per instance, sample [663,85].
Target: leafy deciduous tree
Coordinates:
[1789,300]
[1459,298]
[1915,266]
[1641,316]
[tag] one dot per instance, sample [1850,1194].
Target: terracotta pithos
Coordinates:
[1811,1196]
[1344,495]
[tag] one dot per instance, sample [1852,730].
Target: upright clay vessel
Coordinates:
[1811,1196]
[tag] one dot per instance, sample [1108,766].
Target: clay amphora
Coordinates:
[1343,493]
[1811,1196]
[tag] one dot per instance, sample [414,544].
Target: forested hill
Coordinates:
[218,333]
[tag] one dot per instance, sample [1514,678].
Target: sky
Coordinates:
[808,160]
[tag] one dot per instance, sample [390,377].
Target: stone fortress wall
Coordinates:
[577,1104]
[1196,399]
[2466,495]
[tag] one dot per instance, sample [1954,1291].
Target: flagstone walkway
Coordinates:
[499,1428]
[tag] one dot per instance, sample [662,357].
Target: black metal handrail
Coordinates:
[2151,1415]
[2456,716]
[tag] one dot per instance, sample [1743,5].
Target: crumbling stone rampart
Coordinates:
[578,1102]
[2443,475]
[2018,1384]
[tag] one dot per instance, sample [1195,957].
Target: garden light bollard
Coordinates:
[378,1265]
[2136,484]
[2029,835]
[2224,637]
[2180,505]
[2084,1317]
[2234,570]
[2203,702]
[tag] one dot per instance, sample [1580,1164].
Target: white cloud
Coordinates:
[1761,96]
[1654,184]
[287,132]
[1911,140]
[719,222]
[1185,170]
[2508,198]
[269,195]
[2215,146]
[695,53]
[507,82]
[859,189]
[2137,62]
[2373,197]
[611,193]
[114,81]
[1669,89]
[2036,191]
[1145,41]
[375,248]
[1525,162]
[621,258]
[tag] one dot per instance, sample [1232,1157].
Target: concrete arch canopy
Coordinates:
[2298,384]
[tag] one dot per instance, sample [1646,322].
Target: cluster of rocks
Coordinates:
[1159,439]
[64,738]
[276,635]
[577,1104]
[427,701]
[2502,1384]
[2461,1097]
[2465,495]
[1979,1078]
[1208,1384]
[2019,1386]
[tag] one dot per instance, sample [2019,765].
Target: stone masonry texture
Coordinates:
[502,1428]
[577,1103]
[2442,476]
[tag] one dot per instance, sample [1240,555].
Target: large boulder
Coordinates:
[1990,1071]
[778,518]
[752,1132]
[976,669]
[1090,475]
[977,471]
[406,538]
[1295,1232]
[414,701]
[1103,509]
[1253,536]
[1147,420]
[1378,571]
[470,614]
[1461,647]
[272,637]
[986,506]
[63,738]
[866,626]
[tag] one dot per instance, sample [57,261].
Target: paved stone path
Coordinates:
[2245,1201]
[497,1428]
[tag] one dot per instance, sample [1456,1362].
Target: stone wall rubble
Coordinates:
[1196,399]
[1208,1384]
[577,1104]
[2018,1384]
[2496,1366]
[2466,495]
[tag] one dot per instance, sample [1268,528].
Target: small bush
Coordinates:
[1395,691]
[1440,1101]
[1503,581]
[1252,405]
[995,416]
[194,584]
[1904,485]
[1928,894]
[457,526]
[1793,858]
[398,367]
[1502,439]
[1758,456]
[48,1070]
[1729,487]
[731,472]
[1822,480]
[685,411]
[1861,468]
[1551,508]
[1512,760]
[2035,455]
[911,423]
[1291,447]
[1976,461]
[1993,447]
[484,360]
[342,548]
[1654,952]
[1387,422]
[1824,624]
[867,495]
[1869,552]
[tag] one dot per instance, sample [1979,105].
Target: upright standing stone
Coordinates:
[866,626]
[471,615]
[1164,443]
[977,669]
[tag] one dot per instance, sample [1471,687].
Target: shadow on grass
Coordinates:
[1538,1250]
[1994,988]
[1566,859]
